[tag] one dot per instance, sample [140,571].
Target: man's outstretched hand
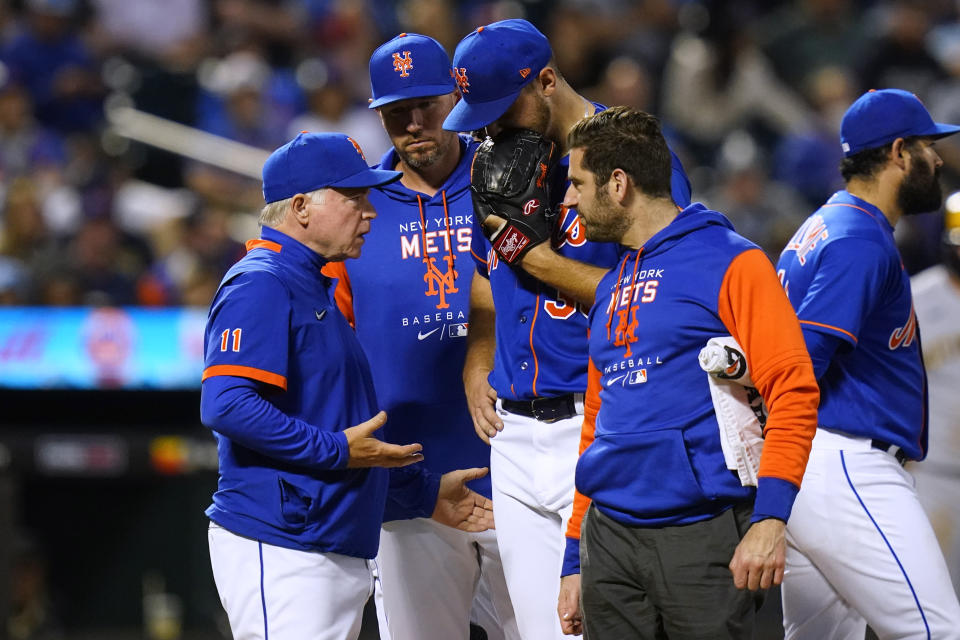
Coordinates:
[459,506]
[369,451]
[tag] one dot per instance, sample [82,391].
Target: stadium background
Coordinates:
[112,246]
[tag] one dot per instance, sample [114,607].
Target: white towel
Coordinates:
[741,412]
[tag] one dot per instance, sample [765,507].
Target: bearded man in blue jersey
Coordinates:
[860,548]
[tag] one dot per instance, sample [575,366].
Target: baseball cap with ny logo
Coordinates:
[492,65]
[409,66]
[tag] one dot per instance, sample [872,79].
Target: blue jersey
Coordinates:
[285,481]
[408,297]
[541,336]
[843,275]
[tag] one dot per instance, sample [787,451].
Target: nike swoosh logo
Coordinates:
[422,336]
[617,379]
[320,314]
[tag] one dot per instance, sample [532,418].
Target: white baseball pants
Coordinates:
[860,550]
[434,580]
[532,467]
[274,593]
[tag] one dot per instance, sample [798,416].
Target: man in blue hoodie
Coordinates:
[668,516]
[846,279]
[408,300]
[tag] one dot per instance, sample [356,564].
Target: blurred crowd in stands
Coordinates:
[750,93]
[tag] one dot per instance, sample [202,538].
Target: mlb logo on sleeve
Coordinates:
[458,330]
[637,377]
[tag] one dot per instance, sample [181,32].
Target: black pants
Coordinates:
[664,583]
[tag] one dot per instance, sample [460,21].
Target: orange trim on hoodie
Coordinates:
[260,243]
[758,315]
[591,406]
[241,371]
[343,294]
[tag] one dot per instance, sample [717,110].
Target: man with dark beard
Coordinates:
[860,549]
[408,301]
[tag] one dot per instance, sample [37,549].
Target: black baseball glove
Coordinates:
[510,178]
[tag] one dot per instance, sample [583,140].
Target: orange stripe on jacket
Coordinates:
[245,372]
[343,294]
[591,406]
[260,243]
[757,313]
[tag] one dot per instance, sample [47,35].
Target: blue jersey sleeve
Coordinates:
[248,330]
[822,347]
[235,408]
[849,282]
[479,247]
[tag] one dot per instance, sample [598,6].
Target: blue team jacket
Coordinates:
[283,480]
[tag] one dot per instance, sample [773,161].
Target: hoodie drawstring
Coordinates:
[616,295]
[626,319]
[433,274]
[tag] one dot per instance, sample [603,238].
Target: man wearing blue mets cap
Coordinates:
[860,549]
[408,298]
[526,367]
[289,396]
[492,66]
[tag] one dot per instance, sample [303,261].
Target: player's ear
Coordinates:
[547,78]
[897,155]
[618,184]
[298,205]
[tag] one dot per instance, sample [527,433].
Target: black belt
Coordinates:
[545,409]
[892,449]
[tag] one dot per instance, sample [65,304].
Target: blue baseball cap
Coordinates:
[491,66]
[409,66]
[314,161]
[879,117]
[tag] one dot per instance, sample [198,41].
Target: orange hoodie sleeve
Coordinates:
[343,294]
[759,316]
[591,406]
